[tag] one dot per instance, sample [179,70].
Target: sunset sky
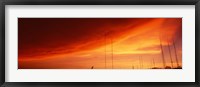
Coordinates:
[80,43]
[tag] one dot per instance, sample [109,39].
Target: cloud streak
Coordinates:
[80,42]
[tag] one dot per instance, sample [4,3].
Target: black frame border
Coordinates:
[3,3]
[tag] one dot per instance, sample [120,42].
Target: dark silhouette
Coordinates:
[92,67]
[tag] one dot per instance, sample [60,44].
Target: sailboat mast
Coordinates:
[162,54]
[175,54]
[170,55]
[141,62]
[154,63]
[105,50]
[132,66]
[112,50]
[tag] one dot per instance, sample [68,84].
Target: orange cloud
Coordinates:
[84,46]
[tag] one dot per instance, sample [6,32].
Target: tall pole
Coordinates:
[132,66]
[170,55]
[105,51]
[141,62]
[162,54]
[154,63]
[112,50]
[175,54]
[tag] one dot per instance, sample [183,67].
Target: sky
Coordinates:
[99,43]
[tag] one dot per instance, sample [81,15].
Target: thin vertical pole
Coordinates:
[154,63]
[105,51]
[170,55]
[112,50]
[132,66]
[175,54]
[162,54]
[141,62]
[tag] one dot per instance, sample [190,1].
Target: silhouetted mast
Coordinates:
[154,63]
[92,67]
[170,55]
[162,54]
[175,54]
[105,51]
[112,50]
[141,62]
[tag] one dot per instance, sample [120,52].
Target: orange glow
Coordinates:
[99,43]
